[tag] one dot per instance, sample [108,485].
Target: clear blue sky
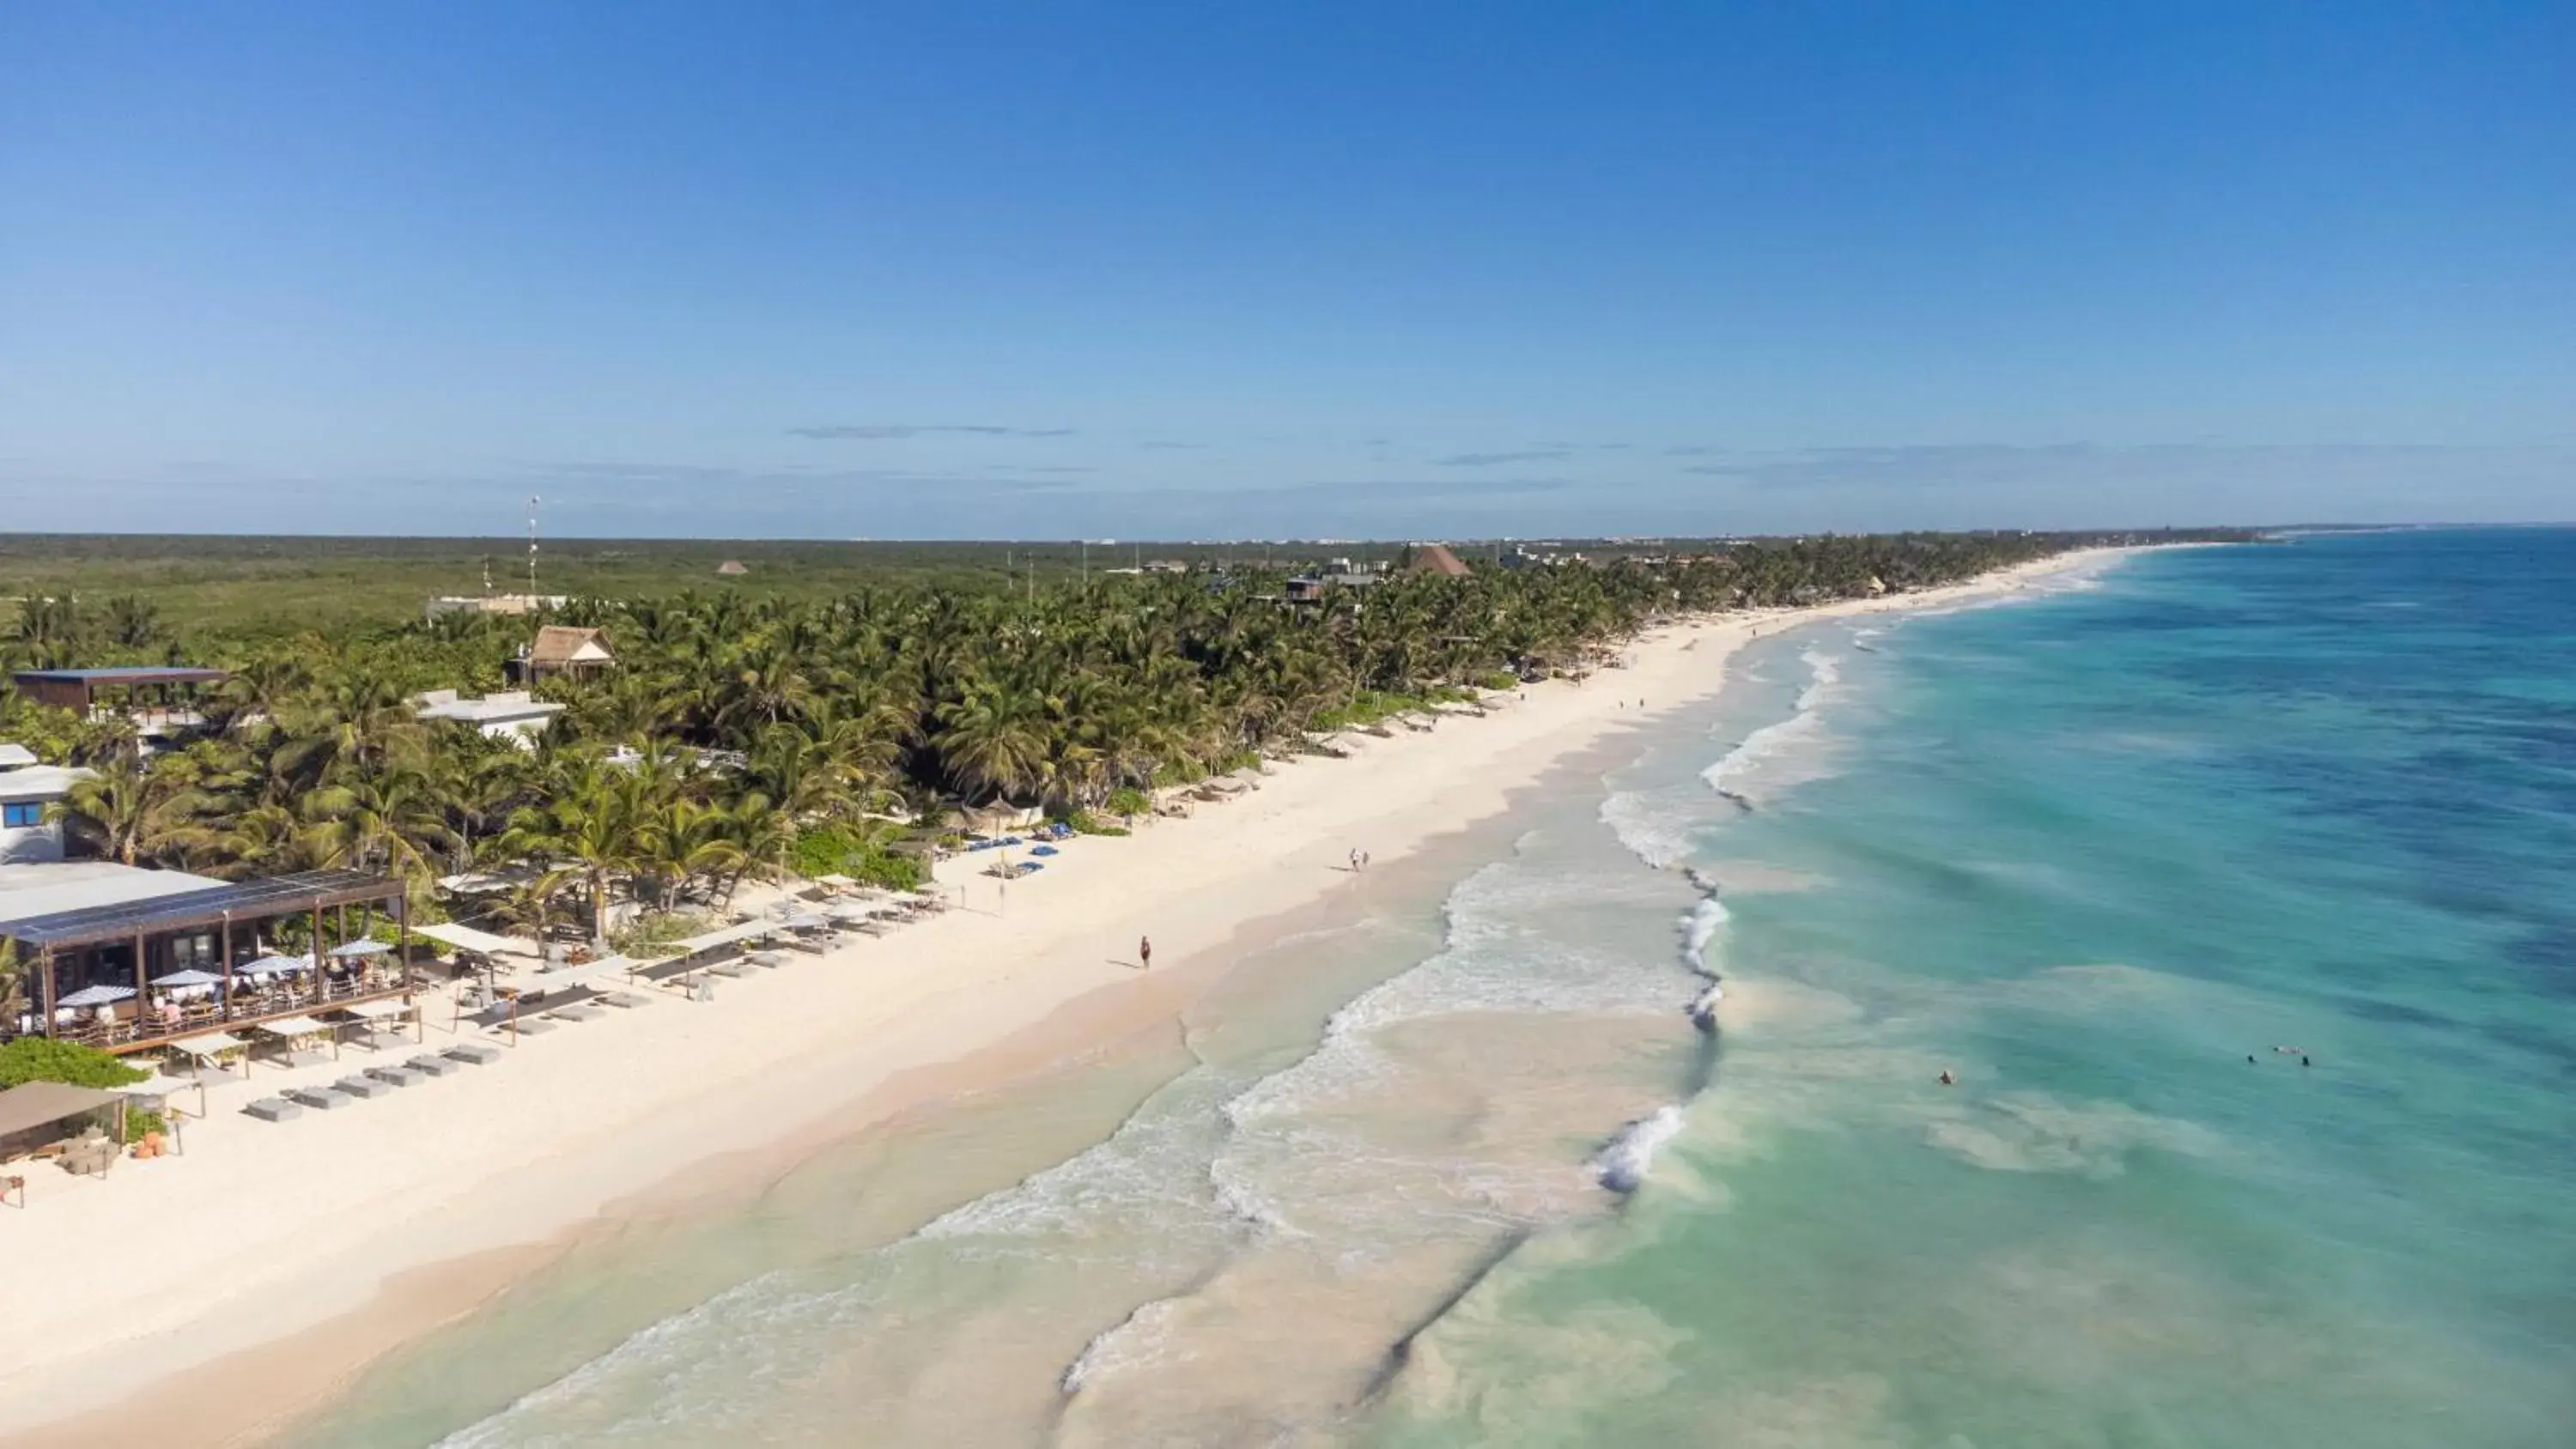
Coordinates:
[1415,269]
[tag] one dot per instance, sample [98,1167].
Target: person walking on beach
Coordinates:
[1145,952]
[1355,862]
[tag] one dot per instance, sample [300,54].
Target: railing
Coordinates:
[153,1025]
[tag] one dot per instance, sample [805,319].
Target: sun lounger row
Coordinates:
[377,1081]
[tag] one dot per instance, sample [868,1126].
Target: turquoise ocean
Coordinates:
[2232,885]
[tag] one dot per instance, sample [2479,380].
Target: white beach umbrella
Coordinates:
[274,966]
[97,996]
[363,946]
[189,977]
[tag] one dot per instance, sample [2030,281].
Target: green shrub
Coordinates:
[840,850]
[658,934]
[893,871]
[139,1122]
[41,1059]
[1129,800]
[1501,681]
[824,849]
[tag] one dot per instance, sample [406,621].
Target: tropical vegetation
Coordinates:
[743,735]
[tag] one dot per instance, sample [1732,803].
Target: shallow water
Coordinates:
[1455,1167]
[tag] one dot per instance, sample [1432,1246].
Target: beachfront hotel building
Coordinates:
[128,959]
[28,793]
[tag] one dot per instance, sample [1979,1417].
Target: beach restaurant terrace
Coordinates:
[152,696]
[136,974]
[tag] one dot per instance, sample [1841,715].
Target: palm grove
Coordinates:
[745,736]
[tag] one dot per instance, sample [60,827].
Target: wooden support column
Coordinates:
[45,991]
[320,981]
[142,987]
[227,945]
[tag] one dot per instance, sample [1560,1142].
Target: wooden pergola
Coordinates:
[231,913]
[149,690]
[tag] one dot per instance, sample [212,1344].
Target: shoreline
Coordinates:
[238,1308]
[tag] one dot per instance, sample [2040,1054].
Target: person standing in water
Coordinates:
[1145,951]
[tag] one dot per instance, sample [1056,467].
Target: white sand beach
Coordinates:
[208,1298]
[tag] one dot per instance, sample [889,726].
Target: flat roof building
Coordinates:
[513,714]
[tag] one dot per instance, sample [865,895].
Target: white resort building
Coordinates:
[26,789]
[513,714]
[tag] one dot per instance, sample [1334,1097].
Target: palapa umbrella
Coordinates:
[97,996]
[363,946]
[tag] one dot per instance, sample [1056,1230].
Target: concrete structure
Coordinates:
[514,714]
[1310,588]
[25,793]
[505,604]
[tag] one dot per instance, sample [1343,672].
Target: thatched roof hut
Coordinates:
[1435,558]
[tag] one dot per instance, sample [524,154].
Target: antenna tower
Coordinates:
[532,550]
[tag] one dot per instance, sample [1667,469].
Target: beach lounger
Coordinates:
[577,1011]
[726,968]
[321,1099]
[362,1087]
[532,1025]
[626,1000]
[307,1058]
[273,1109]
[473,1053]
[430,1064]
[770,959]
[395,1076]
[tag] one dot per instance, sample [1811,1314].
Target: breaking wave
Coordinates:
[1771,757]
[1622,1165]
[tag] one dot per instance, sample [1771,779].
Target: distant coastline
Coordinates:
[413,1210]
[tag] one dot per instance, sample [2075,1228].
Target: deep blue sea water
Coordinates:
[2092,853]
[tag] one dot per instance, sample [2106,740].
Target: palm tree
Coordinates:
[127,811]
[588,830]
[993,742]
[387,819]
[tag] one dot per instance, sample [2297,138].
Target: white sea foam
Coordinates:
[1787,752]
[746,1336]
[1700,927]
[1494,960]
[1651,824]
[1136,1340]
[1622,1165]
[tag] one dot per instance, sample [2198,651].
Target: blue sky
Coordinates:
[1194,270]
